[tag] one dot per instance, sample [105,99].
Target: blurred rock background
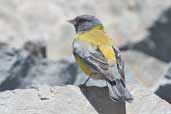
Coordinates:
[35,43]
[125,20]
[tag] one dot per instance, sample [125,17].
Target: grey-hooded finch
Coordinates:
[98,58]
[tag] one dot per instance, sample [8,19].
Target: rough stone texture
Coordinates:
[16,64]
[45,100]
[99,99]
[52,73]
[126,20]
[157,43]
[167,74]
[163,87]
[23,70]
[26,72]
[69,99]
[143,68]
[8,56]
[145,102]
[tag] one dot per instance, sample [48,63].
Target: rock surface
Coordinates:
[69,99]
[23,71]
[163,87]
[46,20]
[143,68]
[45,100]
[146,102]
[157,42]
[100,100]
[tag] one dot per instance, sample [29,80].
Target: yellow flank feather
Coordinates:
[108,53]
[83,66]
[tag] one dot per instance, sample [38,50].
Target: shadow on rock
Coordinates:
[157,44]
[28,67]
[99,98]
[164,92]
[17,72]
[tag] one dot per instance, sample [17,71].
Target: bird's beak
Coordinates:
[72,21]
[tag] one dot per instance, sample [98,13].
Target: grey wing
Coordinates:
[91,56]
[120,63]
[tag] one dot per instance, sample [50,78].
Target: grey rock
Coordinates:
[163,87]
[8,56]
[17,70]
[100,100]
[36,48]
[28,71]
[167,74]
[46,20]
[52,73]
[157,42]
[22,69]
[45,100]
[163,91]
[146,102]
[142,68]
[63,72]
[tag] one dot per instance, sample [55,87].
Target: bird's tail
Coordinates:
[118,91]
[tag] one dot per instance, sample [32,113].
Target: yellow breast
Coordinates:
[101,40]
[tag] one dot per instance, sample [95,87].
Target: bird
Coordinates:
[97,56]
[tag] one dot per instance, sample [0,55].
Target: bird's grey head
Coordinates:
[84,23]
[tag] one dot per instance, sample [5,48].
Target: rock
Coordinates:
[24,69]
[159,36]
[163,87]
[15,66]
[167,74]
[100,100]
[55,73]
[8,56]
[46,20]
[143,68]
[45,100]
[157,43]
[52,73]
[36,48]
[18,70]
[163,91]
[145,102]
[3,45]
[61,100]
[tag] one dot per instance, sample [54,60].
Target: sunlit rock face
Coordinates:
[45,100]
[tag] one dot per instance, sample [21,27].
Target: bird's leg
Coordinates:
[86,81]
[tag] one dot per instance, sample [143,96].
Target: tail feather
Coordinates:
[118,91]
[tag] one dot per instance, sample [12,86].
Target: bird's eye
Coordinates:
[81,20]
